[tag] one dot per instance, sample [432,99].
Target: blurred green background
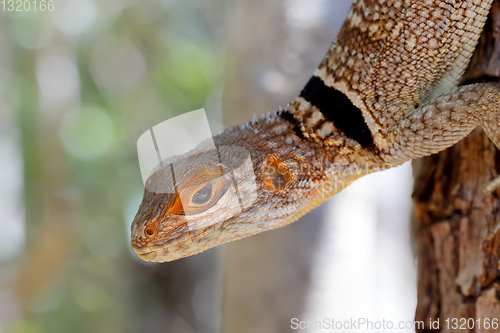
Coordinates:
[78,86]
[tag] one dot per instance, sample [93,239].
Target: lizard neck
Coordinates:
[302,134]
[321,137]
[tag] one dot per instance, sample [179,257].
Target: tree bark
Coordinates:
[457,225]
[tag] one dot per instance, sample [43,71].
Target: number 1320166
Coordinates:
[27,5]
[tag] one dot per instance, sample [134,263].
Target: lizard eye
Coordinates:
[203,195]
[203,191]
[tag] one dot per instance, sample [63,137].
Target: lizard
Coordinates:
[386,92]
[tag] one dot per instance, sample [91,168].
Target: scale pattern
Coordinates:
[384,93]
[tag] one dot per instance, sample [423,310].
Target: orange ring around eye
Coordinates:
[176,206]
[219,186]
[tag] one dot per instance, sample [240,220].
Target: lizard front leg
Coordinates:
[444,121]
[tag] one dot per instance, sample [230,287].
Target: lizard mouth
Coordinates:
[155,253]
[145,253]
[161,252]
[187,243]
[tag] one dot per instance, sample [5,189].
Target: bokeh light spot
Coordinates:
[57,75]
[118,65]
[87,134]
[74,17]
[31,30]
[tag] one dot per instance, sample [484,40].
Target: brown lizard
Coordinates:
[386,92]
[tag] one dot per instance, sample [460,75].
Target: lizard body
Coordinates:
[384,93]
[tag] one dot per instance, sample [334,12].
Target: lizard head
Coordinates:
[204,199]
[208,197]
[189,200]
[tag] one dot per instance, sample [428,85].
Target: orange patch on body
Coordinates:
[278,174]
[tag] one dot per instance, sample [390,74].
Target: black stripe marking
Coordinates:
[295,123]
[338,108]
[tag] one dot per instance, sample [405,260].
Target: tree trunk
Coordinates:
[458,226]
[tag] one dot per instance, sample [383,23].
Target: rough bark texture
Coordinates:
[458,226]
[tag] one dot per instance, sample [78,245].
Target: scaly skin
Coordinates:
[384,93]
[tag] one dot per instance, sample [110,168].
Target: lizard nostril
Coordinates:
[151,230]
